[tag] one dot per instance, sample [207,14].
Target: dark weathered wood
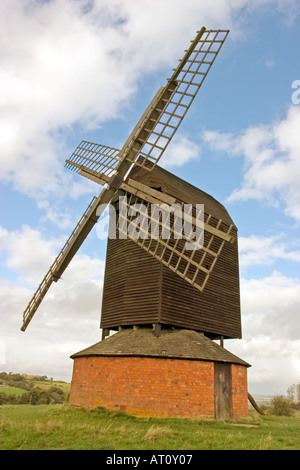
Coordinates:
[157,329]
[140,290]
[105,332]
[255,405]
[223,390]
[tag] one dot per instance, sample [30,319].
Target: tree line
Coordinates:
[33,393]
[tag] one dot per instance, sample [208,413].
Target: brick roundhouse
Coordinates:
[180,373]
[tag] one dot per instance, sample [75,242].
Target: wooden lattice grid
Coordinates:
[188,76]
[135,222]
[96,157]
[156,128]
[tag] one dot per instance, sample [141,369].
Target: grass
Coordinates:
[12,391]
[60,427]
[45,385]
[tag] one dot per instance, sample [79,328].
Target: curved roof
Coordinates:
[181,190]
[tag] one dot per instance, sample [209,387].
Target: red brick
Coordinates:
[153,386]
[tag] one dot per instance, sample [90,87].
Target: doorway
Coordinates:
[222,388]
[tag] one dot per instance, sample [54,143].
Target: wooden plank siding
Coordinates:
[216,310]
[131,286]
[139,290]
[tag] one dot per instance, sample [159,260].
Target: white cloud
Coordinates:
[180,151]
[67,321]
[265,250]
[271,332]
[68,318]
[61,219]
[275,364]
[269,63]
[271,306]
[271,161]
[30,256]
[27,253]
[67,63]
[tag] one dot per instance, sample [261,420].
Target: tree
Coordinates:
[291,392]
[298,392]
[281,406]
[25,398]
[56,395]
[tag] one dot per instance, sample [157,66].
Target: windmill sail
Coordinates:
[187,243]
[79,234]
[157,126]
[144,147]
[108,158]
[96,157]
[188,77]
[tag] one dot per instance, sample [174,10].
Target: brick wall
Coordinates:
[151,386]
[239,391]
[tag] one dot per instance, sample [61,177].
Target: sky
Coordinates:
[73,70]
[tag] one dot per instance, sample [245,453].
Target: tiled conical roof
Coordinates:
[172,343]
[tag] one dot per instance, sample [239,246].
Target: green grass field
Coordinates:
[47,384]
[60,427]
[12,391]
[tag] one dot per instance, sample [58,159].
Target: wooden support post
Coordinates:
[157,329]
[254,404]
[105,332]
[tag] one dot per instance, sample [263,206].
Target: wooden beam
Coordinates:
[94,177]
[157,329]
[145,192]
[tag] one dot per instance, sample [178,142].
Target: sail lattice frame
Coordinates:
[96,157]
[188,76]
[189,255]
[156,128]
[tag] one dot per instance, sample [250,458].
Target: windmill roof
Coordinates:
[173,343]
[181,190]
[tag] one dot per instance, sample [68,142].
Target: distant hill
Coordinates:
[16,388]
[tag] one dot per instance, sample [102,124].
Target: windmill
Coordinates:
[168,296]
[143,149]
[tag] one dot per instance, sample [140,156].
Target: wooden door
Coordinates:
[223,396]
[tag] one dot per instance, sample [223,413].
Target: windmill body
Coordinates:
[169,296]
[140,290]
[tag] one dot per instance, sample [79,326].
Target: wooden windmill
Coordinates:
[156,280]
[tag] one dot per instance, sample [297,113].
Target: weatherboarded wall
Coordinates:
[139,290]
[153,386]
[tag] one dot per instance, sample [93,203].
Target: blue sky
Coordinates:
[87,70]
